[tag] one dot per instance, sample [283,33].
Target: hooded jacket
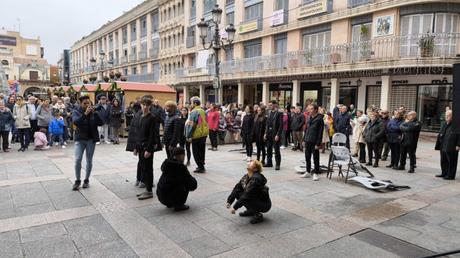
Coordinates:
[251,190]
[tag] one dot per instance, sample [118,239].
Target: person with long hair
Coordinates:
[260,123]
[183,143]
[115,120]
[247,131]
[251,192]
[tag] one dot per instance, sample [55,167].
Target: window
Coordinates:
[143,23]
[33,75]
[125,71]
[115,41]
[111,41]
[283,5]
[144,69]
[134,70]
[124,33]
[230,18]
[133,32]
[229,53]
[281,44]
[208,5]
[253,12]
[361,45]
[133,50]
[191,36]
[316,47]
[192,9]
[252,48]
[355,3]
[144,47]
[155,22]
[156,71]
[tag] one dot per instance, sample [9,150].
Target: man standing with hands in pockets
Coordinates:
[273,134]
[313,138]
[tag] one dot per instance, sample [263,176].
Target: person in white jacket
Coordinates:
[355,124]
[21,114]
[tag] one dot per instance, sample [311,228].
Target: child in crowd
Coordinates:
[56,129]
[40,140]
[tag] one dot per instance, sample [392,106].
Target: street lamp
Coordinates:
[216,42]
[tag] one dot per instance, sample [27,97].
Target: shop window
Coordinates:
[403,95]
[373,96]
[432,101]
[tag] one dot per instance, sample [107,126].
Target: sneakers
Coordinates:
[76,185]
[248,159]
[63,146]
[137,183]
[277,167]
[182,207]
[97,143]
[145,196]
[86,184]
[257,218]
[315,177]
[283,147]
[107,142]
[306,175]
[141,185]
[199,170]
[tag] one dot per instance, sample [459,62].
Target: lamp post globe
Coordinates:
[230,29]
[203,27]
[216,14]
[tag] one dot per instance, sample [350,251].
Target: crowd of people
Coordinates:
[182,131]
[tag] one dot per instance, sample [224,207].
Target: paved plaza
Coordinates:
[41,217]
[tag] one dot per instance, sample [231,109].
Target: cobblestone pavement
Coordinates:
[41,217]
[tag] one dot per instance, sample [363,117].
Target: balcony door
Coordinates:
[316,47]
[361,44]
[412,27]
[446,29]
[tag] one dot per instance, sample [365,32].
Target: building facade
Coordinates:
[387,53]
[63,65]
[22,61]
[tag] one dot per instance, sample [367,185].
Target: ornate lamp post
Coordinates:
[101,66]
[216,42]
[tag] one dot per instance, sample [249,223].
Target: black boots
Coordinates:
[411,169]
[257,218]
[86,184]
[76,185]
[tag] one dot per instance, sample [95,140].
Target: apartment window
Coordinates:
[230,18]
[143,23]
[208,5]
[156,46]
[229,54]
[124,35]
[144,69]
[361,46]
[316,47]
[110,41]
[252,48]
[281,43]
[125,71]
[134,70]
[253,12]
[33,75]
[156,71]
[191,34]
[355,3]
[133,31]
[144,47]
[192,9]
[155,22]
[125,52]
[229,2]
[133,50]
[115,41]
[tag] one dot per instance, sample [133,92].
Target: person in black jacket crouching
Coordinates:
[251,192]
[175,182]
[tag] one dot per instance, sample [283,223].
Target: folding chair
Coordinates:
[339,139]
[340,157]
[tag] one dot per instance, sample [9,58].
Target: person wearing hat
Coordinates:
[175,182]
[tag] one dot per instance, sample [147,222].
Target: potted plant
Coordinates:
[365,46]
[426,45]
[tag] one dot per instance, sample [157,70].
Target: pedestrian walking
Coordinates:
[252,193]
[313,140]
[175,182]
[410,129]
[197,131]
[273,135]
[86,121]
[448,144]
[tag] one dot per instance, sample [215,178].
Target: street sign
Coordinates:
[216,83]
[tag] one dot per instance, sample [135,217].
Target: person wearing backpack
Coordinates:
[197,130]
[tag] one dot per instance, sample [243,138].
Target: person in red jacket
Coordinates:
[213,123]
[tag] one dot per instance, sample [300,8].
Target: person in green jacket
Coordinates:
[196,132]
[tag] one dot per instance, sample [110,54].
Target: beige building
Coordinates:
[22,60]
[386,53]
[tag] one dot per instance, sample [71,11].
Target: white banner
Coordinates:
[277,18]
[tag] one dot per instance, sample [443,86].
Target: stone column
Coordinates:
[240,93]
[295,92]
[362,97]
[149,41]
[265,93]
[185,94]
[335,92]
[202,94]
[385,92]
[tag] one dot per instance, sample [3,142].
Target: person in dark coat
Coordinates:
[394,138]
[149,144]
[104,112]
[129,114]
[86,121]
[172,128]
[6,118]
[260,124]
[313,140]
[373,135]
[247,131]
[251,192]
[159,112]
[273,134]
[134,144]
[297,125]
[384,147]
[116,114]
[410,132]
[342,124]
[183,140]
[175,182]
[448,144]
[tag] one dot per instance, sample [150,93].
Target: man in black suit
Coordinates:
[449,144]
[273,134]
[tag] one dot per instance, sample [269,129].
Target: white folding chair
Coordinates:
[341,156]
[339,139]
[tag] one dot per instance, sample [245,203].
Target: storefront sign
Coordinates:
[248,27]
[440,82]
[285,87]
[277,18]
[7,41]
[314,8]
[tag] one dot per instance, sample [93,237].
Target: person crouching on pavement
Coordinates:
[40,140]
[175,182]
[251,192]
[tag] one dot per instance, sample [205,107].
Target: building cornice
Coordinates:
[136,12]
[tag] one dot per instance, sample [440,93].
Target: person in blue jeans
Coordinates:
[56,129]
[86,121]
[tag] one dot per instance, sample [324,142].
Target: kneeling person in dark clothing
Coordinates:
[175,182]
[252,193]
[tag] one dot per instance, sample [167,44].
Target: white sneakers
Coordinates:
[283,147]
[308,175]
[63,146]
[248,159]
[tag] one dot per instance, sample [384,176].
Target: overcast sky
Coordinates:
[60,23]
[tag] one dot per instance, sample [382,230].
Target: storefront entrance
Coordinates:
[230,94]
[310,93]
[281,93]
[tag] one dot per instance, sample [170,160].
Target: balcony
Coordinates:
[142,55]
[383,50]
[123,60]
[355,3]
[148,77]
[132,58]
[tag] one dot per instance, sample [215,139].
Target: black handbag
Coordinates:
[437,146]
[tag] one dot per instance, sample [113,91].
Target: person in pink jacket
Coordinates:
[40,140]
[213,123]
